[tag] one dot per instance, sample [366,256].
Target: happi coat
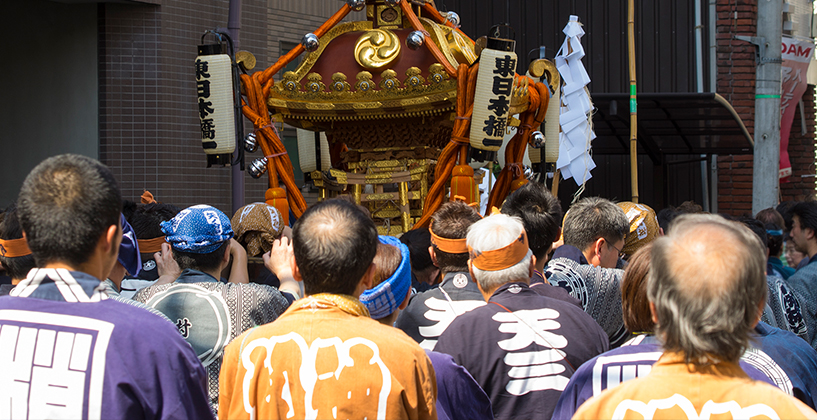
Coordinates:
[429,313]
[675,390]
[634,359]
[324,358]
[598,289]
[69,352]
[804,284]
[522,348]
[459,396]
[209,314]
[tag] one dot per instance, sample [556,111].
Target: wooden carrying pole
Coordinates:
[633,102]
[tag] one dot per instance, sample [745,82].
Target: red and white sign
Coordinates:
[796,58]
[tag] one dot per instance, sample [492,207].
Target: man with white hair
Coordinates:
[521,347]
[704,313]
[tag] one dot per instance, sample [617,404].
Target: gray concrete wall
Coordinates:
[48,86]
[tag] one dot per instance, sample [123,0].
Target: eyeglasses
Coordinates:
[621,253]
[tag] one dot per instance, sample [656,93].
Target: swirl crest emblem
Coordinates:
[377,48]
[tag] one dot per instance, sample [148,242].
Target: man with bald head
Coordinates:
[706,291]
[325,357]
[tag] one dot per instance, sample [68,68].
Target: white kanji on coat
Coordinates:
[533,370]
[444,312]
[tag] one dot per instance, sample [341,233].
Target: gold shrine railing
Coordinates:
[393,191]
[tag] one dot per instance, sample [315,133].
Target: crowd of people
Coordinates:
[116,309]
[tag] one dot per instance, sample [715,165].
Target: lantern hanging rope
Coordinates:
[466,85]
[256,89]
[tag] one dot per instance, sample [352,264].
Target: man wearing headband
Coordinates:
[540,212]
[521,347]
[458,394]
[76,353]
[585,266]
[207,312]
[14,253]
[429,313]
[146,221]
[325,357]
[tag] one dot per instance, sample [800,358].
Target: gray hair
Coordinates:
[495,232]
[592,218]
[707,280]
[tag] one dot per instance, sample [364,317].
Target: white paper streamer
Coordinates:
[574,160]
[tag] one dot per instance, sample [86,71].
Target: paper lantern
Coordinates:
[214,86]
[497,67]
[307,154]
[277,197]
[462,183]
[552,127]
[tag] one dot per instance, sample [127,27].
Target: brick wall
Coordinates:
[801,185]
[149,125]
[736,83]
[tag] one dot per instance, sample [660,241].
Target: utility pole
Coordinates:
[765,179]
[237,175]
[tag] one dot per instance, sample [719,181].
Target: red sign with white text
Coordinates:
[796,58]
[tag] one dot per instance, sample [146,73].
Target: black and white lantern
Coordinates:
[492,100]
[214,87]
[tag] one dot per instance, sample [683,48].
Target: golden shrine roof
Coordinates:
[364,70]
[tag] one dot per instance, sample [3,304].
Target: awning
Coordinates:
[669,124]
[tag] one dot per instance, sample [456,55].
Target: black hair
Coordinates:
[806,211]
[785,209]
[66,204]
[16,267]
[418,241]
[452,221]
[541,215]
[146,219]
[201,262]
[334,243]
[128,207]
[665,217]
[756,226]
[592,218]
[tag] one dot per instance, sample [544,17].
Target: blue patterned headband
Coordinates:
[199,229]
[386,297]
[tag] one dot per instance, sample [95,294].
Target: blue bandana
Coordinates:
[129,249]
[386,297]
[199,229]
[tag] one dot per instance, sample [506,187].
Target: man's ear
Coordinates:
[405,301]
[532,266]
[225,259]
[368,277]
[296,272]
[653,313]
[433,255]
[595,249]
[471,272]
[365,281]
[112,238]
[809,233]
